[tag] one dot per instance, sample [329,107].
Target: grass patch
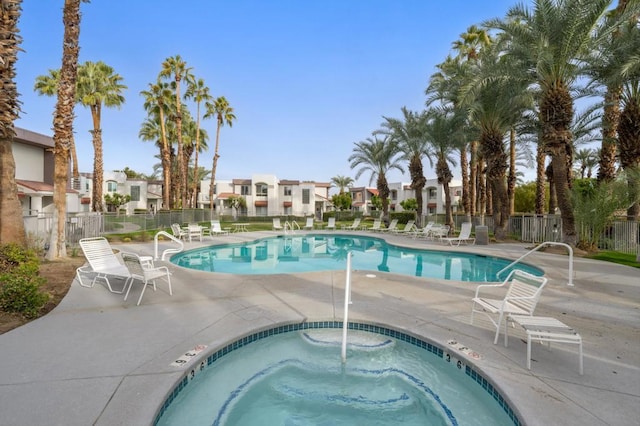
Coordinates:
[616,257]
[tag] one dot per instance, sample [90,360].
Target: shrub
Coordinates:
[19,281]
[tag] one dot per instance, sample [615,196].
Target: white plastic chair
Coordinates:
[276,224]
[194,231]
[377,223]
[463,237]
[521,298]
[331,223]
[147,274]
[178,232]
[391,227]
[354,226]
[102,261]
[216,229]
[408,227]
[309,224]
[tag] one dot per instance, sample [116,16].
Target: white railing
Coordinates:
[541,245]
[291,227]
[169,250]
[347,302]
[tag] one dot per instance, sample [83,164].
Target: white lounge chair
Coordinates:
[463,237]
[178,232]
[331,223]
[354,226]
[216,229]
[147,274]
[276,224]
[422,233]
[309,224]
[377,224]
[392,226]
[408,227]
[102,261]
[521,298]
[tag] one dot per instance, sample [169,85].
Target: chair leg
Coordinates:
[144,287]
[129,288]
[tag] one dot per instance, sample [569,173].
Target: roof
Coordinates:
[225,195]
[372,191]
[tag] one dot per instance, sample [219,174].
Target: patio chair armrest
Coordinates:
[485,286]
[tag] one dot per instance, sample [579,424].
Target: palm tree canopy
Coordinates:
[377,156]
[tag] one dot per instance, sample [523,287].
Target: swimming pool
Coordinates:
[293,375]
[322,252]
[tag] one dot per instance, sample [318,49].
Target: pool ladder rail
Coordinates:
[541,245]
[169,250]
[290,227]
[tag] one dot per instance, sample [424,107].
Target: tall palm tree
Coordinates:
[606,58]
[191,134]
[63,125]
[410,135]
[47,85]
[552,41]
[223,112]
[199,92]
[342,182]
[176,69]
[583,159]
[445,135]
[157,103]
[377,156]
[98,85]
[11,222]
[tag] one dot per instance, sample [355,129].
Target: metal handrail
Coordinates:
[546,243]
[347,301]
[167,251]
[291,225]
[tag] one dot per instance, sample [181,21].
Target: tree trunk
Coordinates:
[98,168]
[417,184]
[473,179]
[214,166]
[553,196]
[464,167]
[492,150]
[63,125]
[11,221]
[541,157]
[629,140]
[511,181]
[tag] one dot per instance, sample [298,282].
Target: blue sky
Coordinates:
[307,78]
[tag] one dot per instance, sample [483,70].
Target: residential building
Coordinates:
[33,156]
[266,195]
[433,197]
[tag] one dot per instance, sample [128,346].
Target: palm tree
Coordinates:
[552,41]
[195,142]
[48,85]
[377,156]
[224,114]
[98,85]
[157,102]
[409,134]
[342,182]
[445,135]
[199,92]
[63,125]
[177,68]
[583,159]
[11,222]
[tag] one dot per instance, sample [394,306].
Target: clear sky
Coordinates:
[307,78]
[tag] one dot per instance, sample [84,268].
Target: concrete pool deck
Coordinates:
[97,359]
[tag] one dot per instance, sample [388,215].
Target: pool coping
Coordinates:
[471,370]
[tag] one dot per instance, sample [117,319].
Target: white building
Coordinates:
[433,197]
[266,195]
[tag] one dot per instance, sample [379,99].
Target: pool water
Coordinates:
[322,252]
[298,378]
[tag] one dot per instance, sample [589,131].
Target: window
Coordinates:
[261,211]
[305,196]
[245,190]
[433,192]
[394,195]
[287,190]
[458,192]
[112,186]
[86,186]
[135,193]
[431,210]
[215,188]
[261,189]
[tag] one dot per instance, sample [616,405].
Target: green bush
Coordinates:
[403,217]
[19,281]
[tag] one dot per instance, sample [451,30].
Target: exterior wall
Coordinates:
[27,158]
[274,203]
